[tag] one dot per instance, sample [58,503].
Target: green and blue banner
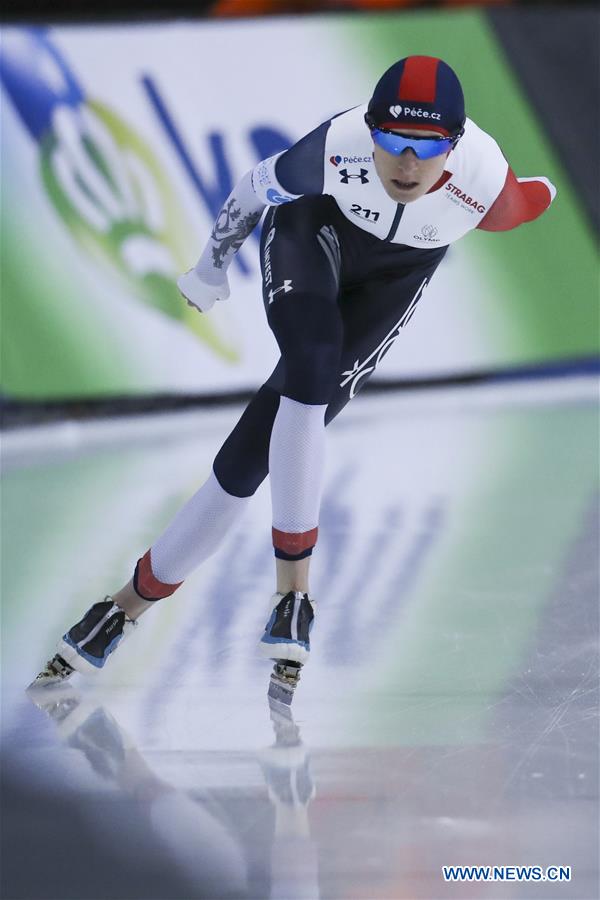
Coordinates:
[119,144]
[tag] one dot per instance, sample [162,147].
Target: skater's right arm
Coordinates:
[207,282]
[282,178]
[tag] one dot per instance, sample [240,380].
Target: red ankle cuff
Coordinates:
[146,585]
[294,545]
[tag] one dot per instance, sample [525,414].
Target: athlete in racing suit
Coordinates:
[360,213]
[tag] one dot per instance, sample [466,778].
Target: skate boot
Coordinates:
[287,641]
[87,645]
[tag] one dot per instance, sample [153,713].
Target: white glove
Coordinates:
[199,293]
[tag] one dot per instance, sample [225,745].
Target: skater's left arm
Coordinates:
[520,200]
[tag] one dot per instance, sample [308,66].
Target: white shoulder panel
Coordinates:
[474,176]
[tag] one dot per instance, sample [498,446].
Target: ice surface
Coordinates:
[449,713]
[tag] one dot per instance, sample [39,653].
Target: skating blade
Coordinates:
[280,692]
[279,712]
[284,680]
[56,671]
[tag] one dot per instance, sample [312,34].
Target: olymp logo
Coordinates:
[428,233]
[414,112]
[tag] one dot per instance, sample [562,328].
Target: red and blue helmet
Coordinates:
[418,92]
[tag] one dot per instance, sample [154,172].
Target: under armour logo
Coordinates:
[345,176]
[286,287]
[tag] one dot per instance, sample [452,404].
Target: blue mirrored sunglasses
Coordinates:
[425,147]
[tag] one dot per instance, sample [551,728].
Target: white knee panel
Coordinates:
[196,531]
[296,460]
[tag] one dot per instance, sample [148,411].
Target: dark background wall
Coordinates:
[103,9]
[74,9]
[560,73]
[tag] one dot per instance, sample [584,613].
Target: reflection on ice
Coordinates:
[192,827]
[204,850]
[286,769]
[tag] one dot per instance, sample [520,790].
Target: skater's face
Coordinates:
[406,177]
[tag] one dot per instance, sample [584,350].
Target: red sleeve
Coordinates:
[520,200]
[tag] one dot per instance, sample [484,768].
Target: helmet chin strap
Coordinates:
[456,137]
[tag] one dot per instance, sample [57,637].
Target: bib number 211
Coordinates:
[364,213]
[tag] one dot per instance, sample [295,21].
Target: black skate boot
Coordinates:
[87,645]
[287,641]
